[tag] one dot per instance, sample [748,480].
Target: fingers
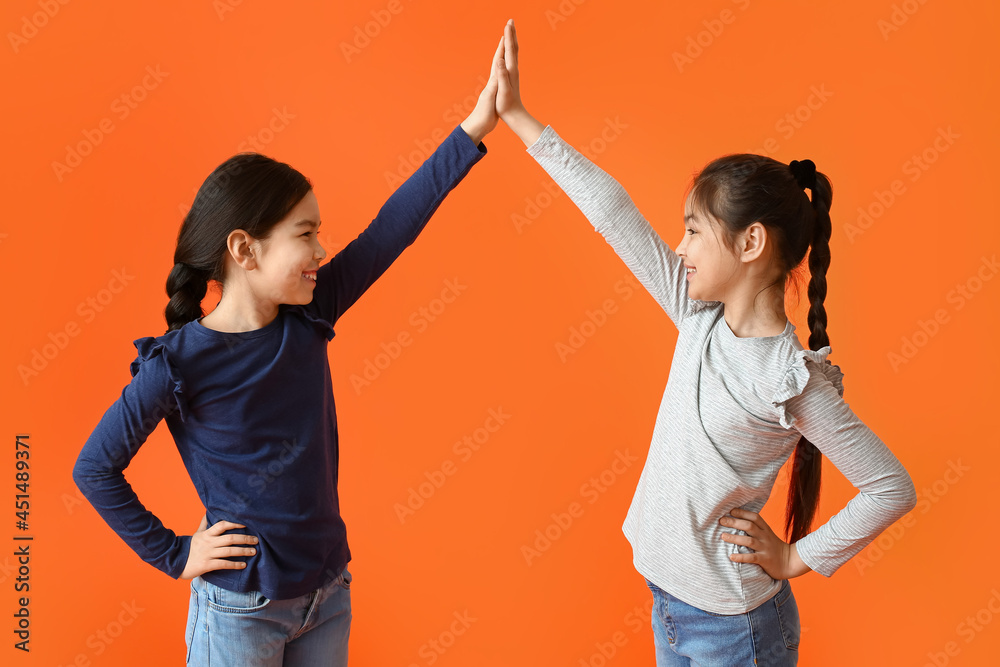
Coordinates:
[498,55]
[218,539]
[510,45]
[211,547]
[494,70]
[742,540]
[221,548]
[513,31]
[500,72]
[229,552]
[740,524]
[236,538]
[490,90]
[503,79]
[746,524]
[746,517]
[215,558]
[218,564]
[222,526]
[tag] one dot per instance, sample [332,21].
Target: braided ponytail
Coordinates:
[186,287]
[807,464]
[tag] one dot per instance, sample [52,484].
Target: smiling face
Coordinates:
[703,249]
[287,260]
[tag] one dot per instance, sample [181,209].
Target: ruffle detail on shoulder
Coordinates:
[148,347]
[323,325]
[797,377]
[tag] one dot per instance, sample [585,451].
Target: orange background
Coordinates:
[888,94]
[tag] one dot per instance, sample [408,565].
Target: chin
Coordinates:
[299,300]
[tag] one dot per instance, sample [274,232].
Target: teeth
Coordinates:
[310,276]
[691,270]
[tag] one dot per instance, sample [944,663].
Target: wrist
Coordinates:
[475,131]
[796,565]
[523,124]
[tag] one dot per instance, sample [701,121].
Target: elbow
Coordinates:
[81,473]
[904,499]
[897,501]
[86,475]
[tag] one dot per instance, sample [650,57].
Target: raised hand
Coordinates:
[509,91]
[484,118]
[210,548]
[509,105]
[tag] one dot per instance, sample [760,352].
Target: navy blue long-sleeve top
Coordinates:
[252,413]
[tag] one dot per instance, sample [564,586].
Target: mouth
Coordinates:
[690,270]
[310,276]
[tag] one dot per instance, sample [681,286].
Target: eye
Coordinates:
[691,230]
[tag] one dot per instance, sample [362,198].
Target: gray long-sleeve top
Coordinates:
[732,412]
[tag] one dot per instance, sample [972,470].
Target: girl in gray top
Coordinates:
[741,398]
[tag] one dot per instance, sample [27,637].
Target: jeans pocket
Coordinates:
[345,579]
[788,616]
[661,621]
[235,602]
[192,622]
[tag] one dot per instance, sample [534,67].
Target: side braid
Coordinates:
[186,287]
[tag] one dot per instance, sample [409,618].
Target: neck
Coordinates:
[768,318]
[744,326]
[235,315]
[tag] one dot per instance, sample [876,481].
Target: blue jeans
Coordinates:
[764,636]
[226,628]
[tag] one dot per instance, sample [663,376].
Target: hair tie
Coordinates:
[804,172]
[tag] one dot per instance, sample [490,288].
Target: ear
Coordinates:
[243,248]
[754,241]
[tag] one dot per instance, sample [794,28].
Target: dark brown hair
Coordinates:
[249,191]
[739,189]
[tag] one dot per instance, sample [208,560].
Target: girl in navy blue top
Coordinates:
[247,395]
